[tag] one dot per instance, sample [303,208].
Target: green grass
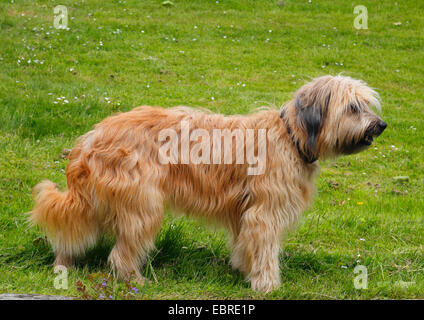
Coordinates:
[361,214]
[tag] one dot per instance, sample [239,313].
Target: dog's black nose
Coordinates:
[382,125]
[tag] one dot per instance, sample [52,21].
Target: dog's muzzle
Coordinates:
[373,131]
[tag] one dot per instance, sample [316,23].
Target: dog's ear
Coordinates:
[310,116]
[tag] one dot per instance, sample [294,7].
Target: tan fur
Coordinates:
[116,183]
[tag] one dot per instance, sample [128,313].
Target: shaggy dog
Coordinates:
[118,182]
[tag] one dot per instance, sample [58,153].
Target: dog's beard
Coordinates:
[356,147]
[364,142]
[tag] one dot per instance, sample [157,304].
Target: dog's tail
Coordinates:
[64,216]
[53,208]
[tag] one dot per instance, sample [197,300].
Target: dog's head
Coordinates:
[334,115]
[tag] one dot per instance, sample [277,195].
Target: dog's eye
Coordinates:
[354,108]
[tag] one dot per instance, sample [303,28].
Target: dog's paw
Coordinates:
[62,261]
[264,285]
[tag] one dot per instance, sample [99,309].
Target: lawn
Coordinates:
[229,57]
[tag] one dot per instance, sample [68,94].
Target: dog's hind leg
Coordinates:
[256,250]
[135,231]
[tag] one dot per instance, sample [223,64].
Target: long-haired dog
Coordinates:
[117,182]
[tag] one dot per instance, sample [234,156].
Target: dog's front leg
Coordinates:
[135,233]
[256,249]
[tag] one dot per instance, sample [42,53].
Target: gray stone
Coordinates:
[23,296]
[401,178]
